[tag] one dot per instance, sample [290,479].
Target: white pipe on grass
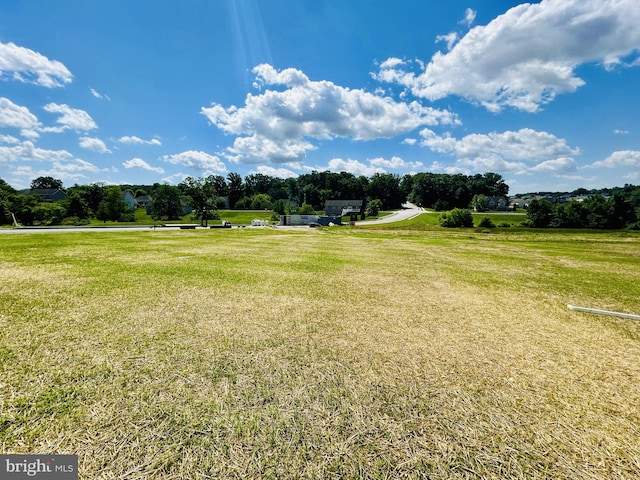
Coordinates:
[604,312]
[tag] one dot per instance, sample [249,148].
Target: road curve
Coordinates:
[409,211]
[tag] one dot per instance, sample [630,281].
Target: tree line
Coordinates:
[203,196]
[620,208]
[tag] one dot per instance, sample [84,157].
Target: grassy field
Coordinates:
[322,353]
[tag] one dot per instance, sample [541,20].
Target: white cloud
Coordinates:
[621,132]
[353,166]
[198,160]
[133,140]
[276,172]
[16,116]
[523,145]
[99,95]
[175,179]
[76,165]
[139,163]
[525,57]
[395,163]
[623,158]
[278,126]
[449,38]
[27,151]
[94,144]
[469,16]
[8,139]
[557,165]
[27,66]
[71,118]
[521,151]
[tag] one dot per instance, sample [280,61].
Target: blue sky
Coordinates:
[139,92]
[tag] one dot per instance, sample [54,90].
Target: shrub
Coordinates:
[457,217]
[486,223]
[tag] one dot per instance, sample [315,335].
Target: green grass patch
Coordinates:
[419,352]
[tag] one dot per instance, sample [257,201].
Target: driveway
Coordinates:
[409,211]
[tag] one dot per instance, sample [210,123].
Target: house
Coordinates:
[499,203]
[46,194]
[143,201]
[339,208]
[129,199]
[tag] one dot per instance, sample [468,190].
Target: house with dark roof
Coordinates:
[46,194]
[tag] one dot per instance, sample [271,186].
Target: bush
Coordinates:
[504,225]
[456,218]
[486,223]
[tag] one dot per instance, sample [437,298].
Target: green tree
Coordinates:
[261,201]
[201,195]
[113,207]
[167,203]
[386,188]
[7,195]
[46,213]
[46,182]
[540,213]
[23,206]
[306,209]
[236,190]
[373,208]
[479,203]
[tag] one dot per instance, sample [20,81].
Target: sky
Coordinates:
[143,92]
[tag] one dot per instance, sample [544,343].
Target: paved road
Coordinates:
[409,211]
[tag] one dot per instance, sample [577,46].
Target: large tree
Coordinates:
[201,195]
[167,203]
[112,207]
[46,183]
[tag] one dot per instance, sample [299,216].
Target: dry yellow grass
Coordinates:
[320,355]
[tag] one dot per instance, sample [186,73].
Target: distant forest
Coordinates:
[608,208]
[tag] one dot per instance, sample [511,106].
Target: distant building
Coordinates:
[143,201]
[46,194]
[129,199]
[340,208]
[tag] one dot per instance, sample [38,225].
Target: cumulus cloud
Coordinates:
[557,165]
[279,125]
[25,65]
[27,151]
[469,16]
[76,165]
[395,163]
[622,158]
[525,57]
[133,140]
[512,151]
[276,172]
[94,144]
[8,139]
[175,179]
[139,163]
[197,160]
[353,166]
[16,116]
[70,118]
[450,39]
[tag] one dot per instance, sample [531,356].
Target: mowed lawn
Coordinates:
[322,353]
